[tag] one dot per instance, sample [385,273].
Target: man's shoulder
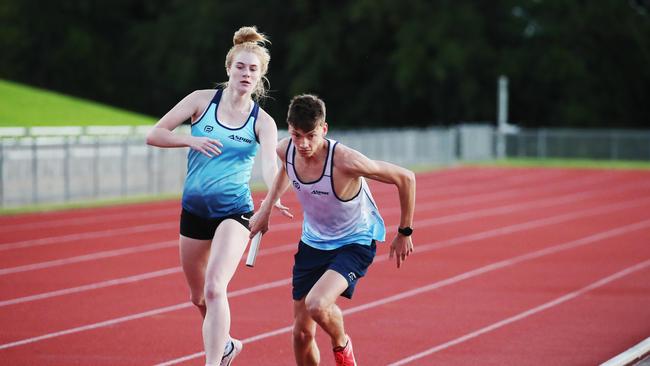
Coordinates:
[283,144]
[344,153]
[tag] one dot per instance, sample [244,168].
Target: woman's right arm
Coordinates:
[190,107]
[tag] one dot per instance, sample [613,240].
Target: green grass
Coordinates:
[567,163]
[23,106]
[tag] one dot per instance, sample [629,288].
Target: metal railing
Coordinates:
[57,169]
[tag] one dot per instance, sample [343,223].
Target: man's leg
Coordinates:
[304,336]
[320,304]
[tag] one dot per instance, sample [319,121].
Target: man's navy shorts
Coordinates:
[351,261]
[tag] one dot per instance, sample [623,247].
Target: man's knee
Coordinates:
[318,309]
[302,335]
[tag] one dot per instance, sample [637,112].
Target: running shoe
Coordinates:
[344,355]
[237,346]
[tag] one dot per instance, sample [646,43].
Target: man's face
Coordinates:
[308,143]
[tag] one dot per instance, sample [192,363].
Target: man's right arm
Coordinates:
[260,220]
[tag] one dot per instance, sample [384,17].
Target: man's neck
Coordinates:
[318,157]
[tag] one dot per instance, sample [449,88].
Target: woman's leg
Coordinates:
[228,246]
[194,254]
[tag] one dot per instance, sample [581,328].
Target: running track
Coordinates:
[511,267]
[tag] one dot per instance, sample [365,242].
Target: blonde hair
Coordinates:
[249,39]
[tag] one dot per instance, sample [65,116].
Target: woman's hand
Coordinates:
[205,145]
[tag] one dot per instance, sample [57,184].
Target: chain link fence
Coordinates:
[579,144]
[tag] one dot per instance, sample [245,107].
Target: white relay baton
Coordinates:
[253,249]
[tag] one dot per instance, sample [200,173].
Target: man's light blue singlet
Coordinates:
[218,186]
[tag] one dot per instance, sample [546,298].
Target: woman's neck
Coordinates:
[239,102]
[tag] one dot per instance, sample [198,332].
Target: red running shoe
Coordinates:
[344,355]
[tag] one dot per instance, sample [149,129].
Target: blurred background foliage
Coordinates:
[376,63]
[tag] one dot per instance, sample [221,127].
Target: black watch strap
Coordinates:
[406,231]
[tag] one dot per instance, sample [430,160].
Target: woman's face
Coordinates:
[244,72]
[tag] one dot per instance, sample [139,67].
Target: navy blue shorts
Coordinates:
[351,261]
[197,227]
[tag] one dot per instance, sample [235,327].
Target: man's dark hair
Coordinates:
[306,111]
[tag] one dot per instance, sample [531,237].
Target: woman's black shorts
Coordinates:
[197,227]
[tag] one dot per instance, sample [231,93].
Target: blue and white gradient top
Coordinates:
[219,186]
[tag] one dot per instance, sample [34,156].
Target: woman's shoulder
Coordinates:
[265,123]
[263,116]
[200,98]
[203,94]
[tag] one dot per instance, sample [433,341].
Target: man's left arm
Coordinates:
[404,179]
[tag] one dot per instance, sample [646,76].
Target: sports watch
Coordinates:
[406,231]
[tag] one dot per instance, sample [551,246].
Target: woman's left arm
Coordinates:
[267,133]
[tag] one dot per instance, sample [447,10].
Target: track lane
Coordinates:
[192,314]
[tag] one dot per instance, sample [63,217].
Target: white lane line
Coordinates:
[88,235]
[103,217]
[502,210]
[172,224]
[91,286]
[452,280]
[124,280]
[425,247]
[90,218]
[525,314]
[461,277]
[89,257]
[469,199]
[145,314]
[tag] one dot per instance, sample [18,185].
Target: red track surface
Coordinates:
[511,267]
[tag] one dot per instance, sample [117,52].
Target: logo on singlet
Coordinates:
[296,184]
[240,139]
[208,128]
[319,193]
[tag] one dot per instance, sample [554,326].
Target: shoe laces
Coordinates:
[341,355]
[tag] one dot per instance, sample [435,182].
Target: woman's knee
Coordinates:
[214,291]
